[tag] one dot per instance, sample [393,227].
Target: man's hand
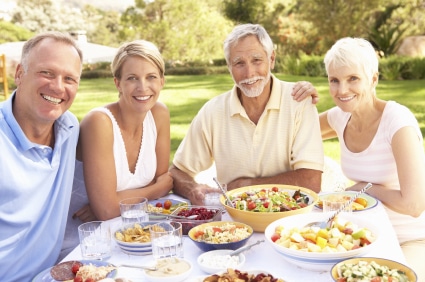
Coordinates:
[303,89]
[197,194]
[85,214]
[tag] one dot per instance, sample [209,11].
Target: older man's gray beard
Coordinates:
[254,92]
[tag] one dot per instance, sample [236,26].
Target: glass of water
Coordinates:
[212,197]
[167,240]
[134,210]
[95,240]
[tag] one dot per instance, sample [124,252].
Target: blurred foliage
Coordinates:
[386,36]
[11,32]
[178,35]
[189,30]
[45,15]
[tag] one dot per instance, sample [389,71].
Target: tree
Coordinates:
[44,15]
[334,19]
[385,35]
[103,27]
[266,13]
[245,11]
[178,36]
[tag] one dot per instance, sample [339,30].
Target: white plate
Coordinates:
[45,276]
[174,202]
[371,201]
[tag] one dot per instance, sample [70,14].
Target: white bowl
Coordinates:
[135,248]
[219,260]
[170,278]
[317,261]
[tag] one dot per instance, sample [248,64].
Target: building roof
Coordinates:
[92,53]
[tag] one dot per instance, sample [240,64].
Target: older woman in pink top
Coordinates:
[380,142]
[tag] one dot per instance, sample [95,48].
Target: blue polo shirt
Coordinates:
[35,190]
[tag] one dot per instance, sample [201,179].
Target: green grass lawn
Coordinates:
[185,95]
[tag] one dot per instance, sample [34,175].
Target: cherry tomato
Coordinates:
[167,204]
[90,280]
[75,267]
[275,189]
[251,205]
[158,205]
[266,205]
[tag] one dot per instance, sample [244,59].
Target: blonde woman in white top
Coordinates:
[124,147]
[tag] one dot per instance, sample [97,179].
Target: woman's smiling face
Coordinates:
[349,86]
[140,82]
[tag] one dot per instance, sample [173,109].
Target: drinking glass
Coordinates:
[95,240]
[167,240]
[134,210]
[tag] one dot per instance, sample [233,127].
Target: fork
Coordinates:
[328,223]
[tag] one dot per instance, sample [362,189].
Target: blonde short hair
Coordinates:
[137,48]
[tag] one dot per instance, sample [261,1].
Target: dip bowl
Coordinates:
[219,260]
[170,270]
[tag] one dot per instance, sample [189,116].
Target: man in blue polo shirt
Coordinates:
[38,137]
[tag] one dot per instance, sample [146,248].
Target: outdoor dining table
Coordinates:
[261,257]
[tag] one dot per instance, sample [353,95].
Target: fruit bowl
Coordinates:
[259,220]
[286,235]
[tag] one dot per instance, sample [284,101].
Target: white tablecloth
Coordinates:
[261,257]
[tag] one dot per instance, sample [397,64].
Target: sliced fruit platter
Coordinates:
[164,206]
[363,202]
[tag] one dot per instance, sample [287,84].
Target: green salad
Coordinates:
[369,271]
[269,200]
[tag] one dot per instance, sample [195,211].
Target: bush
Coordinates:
[391,68]
[414,68]
[196,70]
[100,73]
[289,65]
[313,66]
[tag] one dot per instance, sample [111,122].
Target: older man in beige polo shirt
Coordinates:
[256,133]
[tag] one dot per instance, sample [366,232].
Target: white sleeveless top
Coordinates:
[376,164]
[144,173]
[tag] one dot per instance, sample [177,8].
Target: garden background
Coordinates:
[190,34]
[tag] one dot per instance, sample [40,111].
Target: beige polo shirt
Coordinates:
[287,137]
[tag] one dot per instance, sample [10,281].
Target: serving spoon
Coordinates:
[224,192]
[245,248]
[153,268]
[173,216]
[328,223]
